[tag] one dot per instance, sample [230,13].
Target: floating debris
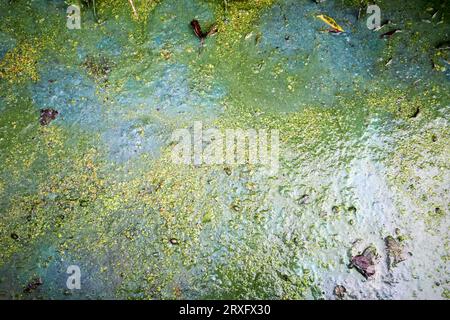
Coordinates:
[443,45]
[394,249]
[33,285]
[390,33]
[433,138]
[339,291]
[236,207]
[335,28]
[99,67]
[249,35]
[84,203]
[135,14]
[382,25]
[199,33]
[365,262]
[91,3]
[227,171]
[352,209]
[283,275]
[435,15]
[207,217]
[441,60]
[258,38]
[415,112]
[303,199]
[333,31]
[438,211]
[47,116]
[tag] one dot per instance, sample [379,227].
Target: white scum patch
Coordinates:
[232,147]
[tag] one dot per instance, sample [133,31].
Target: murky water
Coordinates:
[363,124]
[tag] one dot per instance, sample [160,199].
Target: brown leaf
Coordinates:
[365,262]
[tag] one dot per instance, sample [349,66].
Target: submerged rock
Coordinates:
[47,116]
[394,249]
[365,262]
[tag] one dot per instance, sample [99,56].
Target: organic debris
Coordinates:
[199,33]
[388,63]
[303,199]
[134,9]
[443,46]
[33,285]
[99,67]
[19,64]
[83,203]
[91,3]
[382,25]
[394,250]
[390,33]
[441,57]
[47,116]
[415,112]
[434,15]
[335,28]
[365,262]
[340,291]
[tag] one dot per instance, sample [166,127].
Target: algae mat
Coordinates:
[358,208]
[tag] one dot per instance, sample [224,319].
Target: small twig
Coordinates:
[202,35]
[134,8]
[95,11]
